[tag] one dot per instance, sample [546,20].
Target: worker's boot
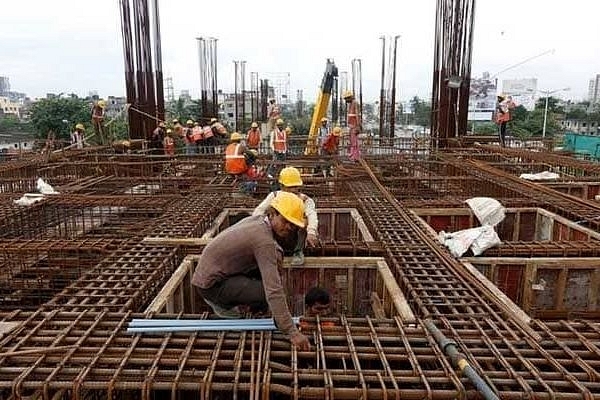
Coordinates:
[298,258]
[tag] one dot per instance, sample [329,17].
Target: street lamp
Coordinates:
[548,93]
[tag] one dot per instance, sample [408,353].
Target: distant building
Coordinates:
[523,91]
[114,105]
[8,107]
[594,90]
[581,126]
[4,86]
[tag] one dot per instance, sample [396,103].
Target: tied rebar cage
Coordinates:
[451,69]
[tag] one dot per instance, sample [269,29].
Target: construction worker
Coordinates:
[291,181]
[317,302]
[332,141]
[77,138]
[505,104]
[98,120]
[188,138]
[235,156]
[210,141]
[239,267]
[253,137]
[219,130]
[273,114]
[157,139]
[198,138]
[169,143]
[177,127]
[353,123]
[323,132]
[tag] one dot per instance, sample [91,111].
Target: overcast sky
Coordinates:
[75,45]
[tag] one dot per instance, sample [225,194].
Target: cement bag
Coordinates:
[487,210]
[45,188]
[540,176]
[459,242]
[488,238]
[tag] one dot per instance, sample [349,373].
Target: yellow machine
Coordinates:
[331,73]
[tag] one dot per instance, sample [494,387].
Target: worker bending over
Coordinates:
[239,267]
[291,181]
[237,159]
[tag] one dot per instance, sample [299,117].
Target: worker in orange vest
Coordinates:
[273,114]
[253,137]
[235,158]
[188,138]
[505,104]
[210,141]
[353,122]
[198,138]
[278,143]
[219,130]
[169,143]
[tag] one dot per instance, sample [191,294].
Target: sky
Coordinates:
[75,46]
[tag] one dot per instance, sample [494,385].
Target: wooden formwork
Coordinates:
[546,288]
[359,286]
[520,224]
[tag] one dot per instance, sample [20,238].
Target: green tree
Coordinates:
[59,115]
[421,112]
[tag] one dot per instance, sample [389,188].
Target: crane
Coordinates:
[329,78]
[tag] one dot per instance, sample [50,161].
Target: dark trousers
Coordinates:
[238,290]
[503,134]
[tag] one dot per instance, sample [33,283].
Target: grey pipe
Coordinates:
[459,360]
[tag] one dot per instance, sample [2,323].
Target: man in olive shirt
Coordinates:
[239,266]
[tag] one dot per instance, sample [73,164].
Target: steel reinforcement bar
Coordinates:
[65,355]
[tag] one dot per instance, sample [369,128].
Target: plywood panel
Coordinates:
[527,226]
[577,289]
[509,280]
[441,223]
[505,228]
[546,299]
[325,229]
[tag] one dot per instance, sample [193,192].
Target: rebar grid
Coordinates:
[33,271]
[126,280]
[356,357]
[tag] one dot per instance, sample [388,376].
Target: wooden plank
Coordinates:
[396,295]
[362,227]
[160,241]
[165,296]
[515,311]
[7,327]
[528,281]
[546,262]
[377,306]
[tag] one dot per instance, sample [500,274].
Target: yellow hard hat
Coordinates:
[347,94]
[189,122]
[279,121]
[254,152]
[290,206]
[213,120]
[169,131]
[175,121]
[254,125]
[337,131]
[80,126]
[290,177]
[236,136]
[324,119]
[288,129]
[101,103]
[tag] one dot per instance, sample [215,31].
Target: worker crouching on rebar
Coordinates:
[291,181]
[239,267]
